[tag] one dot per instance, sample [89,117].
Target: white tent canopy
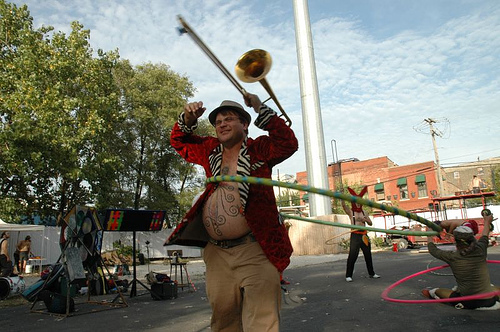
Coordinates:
[45,241]
[18,232]
[20,228]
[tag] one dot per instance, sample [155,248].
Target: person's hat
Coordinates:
[232,106]
[463,229]
[464,237]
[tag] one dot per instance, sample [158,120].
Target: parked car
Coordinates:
[406,241]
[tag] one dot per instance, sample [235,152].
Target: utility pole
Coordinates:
[436,155]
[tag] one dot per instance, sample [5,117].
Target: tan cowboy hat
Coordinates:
[232,106]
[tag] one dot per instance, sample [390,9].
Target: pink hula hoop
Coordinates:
[385,293]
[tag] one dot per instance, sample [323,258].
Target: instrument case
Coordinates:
[164,290]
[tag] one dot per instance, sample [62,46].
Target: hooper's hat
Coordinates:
[463,229]
[232,106]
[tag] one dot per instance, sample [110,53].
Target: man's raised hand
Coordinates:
[192,111]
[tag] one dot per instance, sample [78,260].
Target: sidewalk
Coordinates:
[196,267]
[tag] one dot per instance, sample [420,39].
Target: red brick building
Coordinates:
[409,187]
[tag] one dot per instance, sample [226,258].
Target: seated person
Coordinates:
[469,267]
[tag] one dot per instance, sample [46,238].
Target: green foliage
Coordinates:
[337,207]
[337,203]
[124,250]
[82,127]
[58,106]
[375,242]
[288,198]
[345,244]
[378,242]
[496,185]
[152,98]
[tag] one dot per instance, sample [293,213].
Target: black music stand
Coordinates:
[133,289]
[127,220]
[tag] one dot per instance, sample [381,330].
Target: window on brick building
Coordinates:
[379,192]
[422,190]
[421,183]
[403,188]
[403,192]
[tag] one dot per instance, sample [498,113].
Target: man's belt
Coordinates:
[226,244]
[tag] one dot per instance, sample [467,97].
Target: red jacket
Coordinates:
[257,157]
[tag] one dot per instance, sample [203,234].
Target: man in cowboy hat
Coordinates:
[246,244]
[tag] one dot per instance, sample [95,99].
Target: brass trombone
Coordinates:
[251,67]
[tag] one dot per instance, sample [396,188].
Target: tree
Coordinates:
[495,184]
[336,204]
[154,175]
[58,105]
[84,128]
[289,198]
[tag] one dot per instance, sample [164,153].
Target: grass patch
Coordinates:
[13,301]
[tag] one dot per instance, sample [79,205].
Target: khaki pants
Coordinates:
[243,289]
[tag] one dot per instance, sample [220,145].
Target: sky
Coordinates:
[383,67]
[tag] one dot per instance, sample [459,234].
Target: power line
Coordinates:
[445,132]
[472,154]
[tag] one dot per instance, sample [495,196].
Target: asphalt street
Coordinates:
[318,299]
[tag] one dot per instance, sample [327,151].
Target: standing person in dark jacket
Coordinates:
[246,244]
